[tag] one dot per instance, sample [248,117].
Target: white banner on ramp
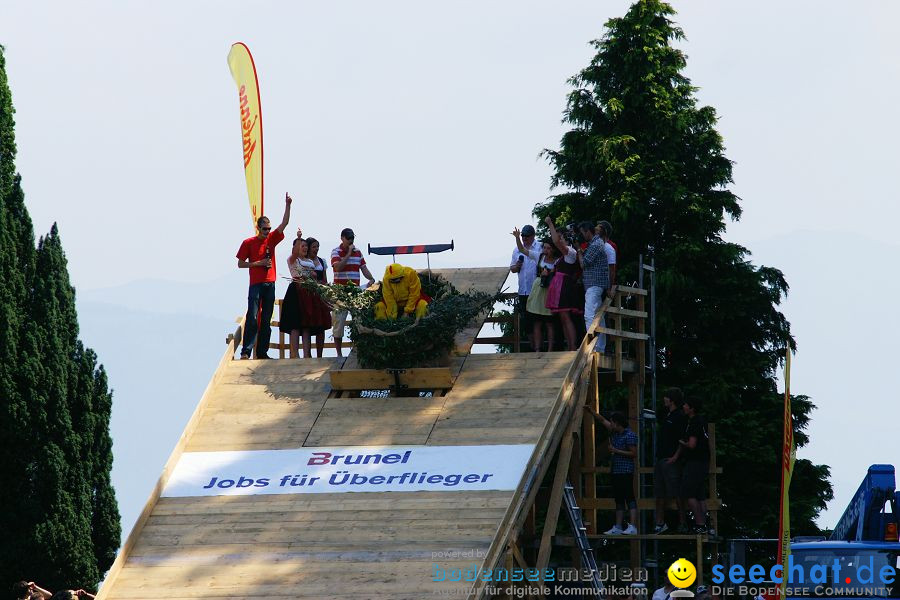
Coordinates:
[349,469]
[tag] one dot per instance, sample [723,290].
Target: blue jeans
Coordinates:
[593,299]
[259,294]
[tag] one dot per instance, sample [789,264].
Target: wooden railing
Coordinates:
[515,318]
[283,345]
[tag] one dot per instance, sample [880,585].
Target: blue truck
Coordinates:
[862,555]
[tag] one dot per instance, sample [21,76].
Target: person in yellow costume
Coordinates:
[401,290]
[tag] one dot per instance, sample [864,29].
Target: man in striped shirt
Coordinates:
[346,263]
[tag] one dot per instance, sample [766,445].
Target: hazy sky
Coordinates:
[422,122]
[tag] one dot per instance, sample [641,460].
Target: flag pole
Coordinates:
[788,454]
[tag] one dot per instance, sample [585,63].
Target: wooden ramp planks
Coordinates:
[363,545]
[352,545]
[369,545]
[375,421]
[263,405]
[500,399]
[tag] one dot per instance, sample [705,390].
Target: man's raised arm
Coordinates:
[287,213]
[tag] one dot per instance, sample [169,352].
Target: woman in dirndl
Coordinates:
[565,296]
[322,277]
[303,311]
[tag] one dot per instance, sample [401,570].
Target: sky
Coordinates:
[422,122]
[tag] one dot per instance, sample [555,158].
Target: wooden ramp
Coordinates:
[376,545]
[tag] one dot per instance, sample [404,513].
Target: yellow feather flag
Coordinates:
[788,454]
[243,70]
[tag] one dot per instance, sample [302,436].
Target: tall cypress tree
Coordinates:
[16,260]
[61,530]
[93,409]
[57,507]
[644,155]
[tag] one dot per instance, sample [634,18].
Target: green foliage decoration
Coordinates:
[405,342]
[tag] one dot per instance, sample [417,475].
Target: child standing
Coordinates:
[623,447]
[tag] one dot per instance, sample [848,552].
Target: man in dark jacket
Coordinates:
[695,450]
[667,472]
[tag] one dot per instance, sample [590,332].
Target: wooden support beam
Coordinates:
[609,363]
[641,470]
[642,504]
[625,312]
[556,495]
[503,339]
[699,562]
[568,540]
[630,291]
[628,335]
[517,333]
[517,554]
[380,379]
[589,447]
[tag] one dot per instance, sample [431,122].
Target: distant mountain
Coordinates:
[158,365]
[224,297]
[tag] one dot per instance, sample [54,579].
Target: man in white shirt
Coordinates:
[526,268]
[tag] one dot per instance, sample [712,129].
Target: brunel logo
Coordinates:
[327,458]
[247,125]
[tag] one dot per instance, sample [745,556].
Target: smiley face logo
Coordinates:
[682,573]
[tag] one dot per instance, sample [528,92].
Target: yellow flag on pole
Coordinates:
[788,454]
[243,70]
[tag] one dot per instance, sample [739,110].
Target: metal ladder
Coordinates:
[588,560]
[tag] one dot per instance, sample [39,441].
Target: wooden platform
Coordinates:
[349,545]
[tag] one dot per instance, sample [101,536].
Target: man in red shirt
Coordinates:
[258,254]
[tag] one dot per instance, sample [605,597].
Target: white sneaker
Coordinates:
[630,530]
[614,531]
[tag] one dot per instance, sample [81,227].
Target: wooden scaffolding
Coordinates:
[581,461]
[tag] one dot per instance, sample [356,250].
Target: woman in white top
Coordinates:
[289,318]
[302,310]
[542,317]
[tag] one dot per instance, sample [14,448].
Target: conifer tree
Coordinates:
[62,528]
[58,509]
[95,401]
[16,259]
[644,155]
